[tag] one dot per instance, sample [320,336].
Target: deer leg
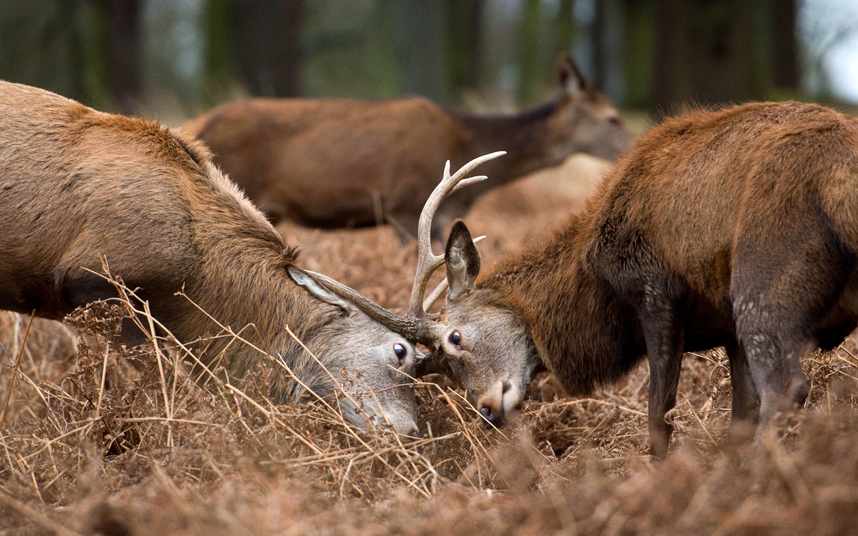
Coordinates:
[746,400]
[664,343]
[774,363]
[775,335]
[781,286]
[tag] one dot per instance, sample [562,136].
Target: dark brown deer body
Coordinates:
[736,228]
[76,184]
[329,163]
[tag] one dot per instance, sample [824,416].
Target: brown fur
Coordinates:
[330,163]
[76,184]
[736,227]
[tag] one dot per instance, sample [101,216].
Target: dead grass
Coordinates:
[106,440]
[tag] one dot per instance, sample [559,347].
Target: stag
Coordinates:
[343,163]
[78,187]
[732,228]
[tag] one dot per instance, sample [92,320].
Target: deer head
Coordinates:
[481,340]
[586,121]
[477,327]
[370,368]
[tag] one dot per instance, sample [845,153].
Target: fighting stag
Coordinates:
[78,186]
[732,228]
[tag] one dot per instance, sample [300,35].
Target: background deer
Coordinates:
[338,163]
[76,184]
[735,228]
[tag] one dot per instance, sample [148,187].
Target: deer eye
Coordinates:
[456,339]
[400,352]
[614,120]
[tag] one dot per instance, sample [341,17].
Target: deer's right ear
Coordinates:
[462,260]
[570,77]
[308,282]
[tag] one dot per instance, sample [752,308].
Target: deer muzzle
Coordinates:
[500,404]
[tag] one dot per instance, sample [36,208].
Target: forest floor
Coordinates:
[97,441]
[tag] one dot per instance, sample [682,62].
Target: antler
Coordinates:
[415,325]
[407,327]
[427,261]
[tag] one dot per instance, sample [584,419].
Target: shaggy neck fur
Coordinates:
[583,334]
[244,285]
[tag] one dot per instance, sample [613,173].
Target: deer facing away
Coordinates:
[341,163]
[735,228]
[76,184]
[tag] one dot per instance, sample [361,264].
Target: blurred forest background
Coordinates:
[176,58]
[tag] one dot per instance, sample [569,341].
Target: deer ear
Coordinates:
[570,76]
[308,282]
[462,260]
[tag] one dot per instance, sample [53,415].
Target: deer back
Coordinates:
[333,163]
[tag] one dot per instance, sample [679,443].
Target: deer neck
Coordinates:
[582,332]
[524,136]
[243,287]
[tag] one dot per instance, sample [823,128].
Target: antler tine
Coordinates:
[402,325]
[427,261]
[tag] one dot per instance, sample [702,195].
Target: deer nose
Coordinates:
[410,430]
[494,416]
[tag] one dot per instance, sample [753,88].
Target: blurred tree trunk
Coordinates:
[671,20]
[528,62]
[464,44]
[639,52]
[124,52]
[710,52]
[600,57]
[219,52]
[419,37]
[565,27]
[784,45]
[267,37]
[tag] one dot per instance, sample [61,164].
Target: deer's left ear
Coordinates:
[462,260]
[570,77]
[308,282]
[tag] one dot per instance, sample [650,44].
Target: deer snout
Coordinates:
[501,403]
[493,415]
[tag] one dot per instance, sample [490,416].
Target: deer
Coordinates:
[735,227]
[351,163]
[79,188]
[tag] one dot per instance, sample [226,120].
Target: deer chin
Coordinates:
[400,421]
